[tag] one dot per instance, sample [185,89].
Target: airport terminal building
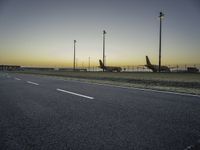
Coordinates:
[9,68]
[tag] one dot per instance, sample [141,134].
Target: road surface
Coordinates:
[48,113]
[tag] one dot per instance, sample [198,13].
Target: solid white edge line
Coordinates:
[168,92]
[152,90]
[61,90]
[32,83]
[141,89]
[17,79]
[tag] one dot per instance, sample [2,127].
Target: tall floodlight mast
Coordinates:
[89,63]
[104,33]
[161,16]
[74,55]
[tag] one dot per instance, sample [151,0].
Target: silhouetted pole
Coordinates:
[76,63]
[160,16]
[104,32]
[82,65]
[74,55]
[88,63]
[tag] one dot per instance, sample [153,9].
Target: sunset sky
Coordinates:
[41,32]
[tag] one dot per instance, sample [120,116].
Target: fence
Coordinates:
[173,68]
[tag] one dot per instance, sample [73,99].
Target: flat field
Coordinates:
[178,82]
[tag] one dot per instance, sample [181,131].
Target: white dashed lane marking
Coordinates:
[17,79]
[32,83]
[81,95]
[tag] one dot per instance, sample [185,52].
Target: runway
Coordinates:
[48,113]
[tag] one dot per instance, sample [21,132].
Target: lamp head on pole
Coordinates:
[161,16]
[74,41]
[104,32]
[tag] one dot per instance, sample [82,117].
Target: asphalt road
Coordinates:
[48,113]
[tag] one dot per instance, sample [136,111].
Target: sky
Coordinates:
[41,32]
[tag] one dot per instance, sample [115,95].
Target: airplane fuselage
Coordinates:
[155,68]
[109,68]
[112,69]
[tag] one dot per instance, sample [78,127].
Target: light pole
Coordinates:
[88,63]
[104,33]
[74,55]
[161,17]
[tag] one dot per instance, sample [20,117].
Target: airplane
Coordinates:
[109,68]
[155,68]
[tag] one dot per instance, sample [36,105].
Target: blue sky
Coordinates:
[41,32]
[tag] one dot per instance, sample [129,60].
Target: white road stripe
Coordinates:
[32,83]
[75,94]
[17,79]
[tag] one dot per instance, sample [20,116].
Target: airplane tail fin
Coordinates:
[148,61]
[101,64]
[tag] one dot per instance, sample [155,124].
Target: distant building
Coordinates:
[38,68]
[9,68]
[192,69]
[71,69]
[65,69]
